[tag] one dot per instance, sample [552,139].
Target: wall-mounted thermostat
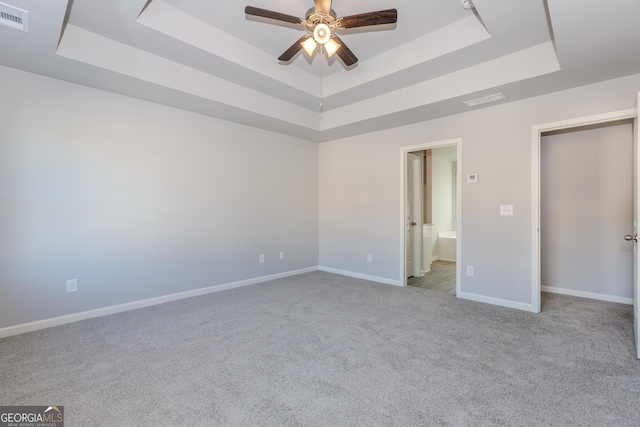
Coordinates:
[472,178]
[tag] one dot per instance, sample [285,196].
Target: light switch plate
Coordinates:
[472,178]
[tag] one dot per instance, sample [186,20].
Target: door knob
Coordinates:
[413,224]
[629,237]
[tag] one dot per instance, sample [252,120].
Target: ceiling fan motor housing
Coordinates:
[314,18]
[322,33]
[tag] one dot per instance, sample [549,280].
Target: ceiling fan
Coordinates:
[321,22]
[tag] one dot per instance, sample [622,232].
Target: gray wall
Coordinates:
[360,188]
[138,200]
[586,209]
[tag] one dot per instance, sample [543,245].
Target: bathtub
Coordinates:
[447,243]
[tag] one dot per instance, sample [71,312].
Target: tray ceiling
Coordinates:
[208,57]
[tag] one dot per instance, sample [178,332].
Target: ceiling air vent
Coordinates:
[13,17]
[485,100]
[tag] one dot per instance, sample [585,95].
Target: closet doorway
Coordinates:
[631,238]
[585,237]
[586,208]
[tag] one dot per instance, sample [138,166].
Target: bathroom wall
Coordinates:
[443,207]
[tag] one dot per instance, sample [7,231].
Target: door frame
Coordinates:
[536,139]
[403,214]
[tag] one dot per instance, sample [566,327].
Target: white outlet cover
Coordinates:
[472,178]
[506,210]
[72,285]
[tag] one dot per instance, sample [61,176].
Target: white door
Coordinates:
[409,218]
[634,236]
[414,215]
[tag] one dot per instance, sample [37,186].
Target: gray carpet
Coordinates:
[442,277]
[324,350]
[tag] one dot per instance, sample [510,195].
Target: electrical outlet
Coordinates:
[72,285]
[506,210]
[281,255]
[369,258]
[470,270]
[261,259]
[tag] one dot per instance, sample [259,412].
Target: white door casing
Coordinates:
[415,196]
[636,221]
[418,215]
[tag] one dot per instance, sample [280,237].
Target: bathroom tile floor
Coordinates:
[442,277]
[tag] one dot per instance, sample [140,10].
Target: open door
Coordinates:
[414,215]
[636,221]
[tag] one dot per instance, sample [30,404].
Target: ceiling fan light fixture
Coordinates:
[320,22]
[322,33]
[309,45]
[331,47]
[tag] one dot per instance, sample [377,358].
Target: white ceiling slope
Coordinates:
[208,57]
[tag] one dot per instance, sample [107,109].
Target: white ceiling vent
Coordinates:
[13,17]
[485,100]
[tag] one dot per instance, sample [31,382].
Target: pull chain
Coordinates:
[321,93]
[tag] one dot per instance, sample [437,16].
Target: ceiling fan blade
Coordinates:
[323,6]
[295,48]
[344,52]
[380,17]
[264,13]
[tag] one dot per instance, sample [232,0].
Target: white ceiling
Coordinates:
[208,57]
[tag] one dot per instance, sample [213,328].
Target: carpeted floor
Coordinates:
[324,350]
[442,277]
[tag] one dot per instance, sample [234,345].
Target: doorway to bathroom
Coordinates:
[431,216]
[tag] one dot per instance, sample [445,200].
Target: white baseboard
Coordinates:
[75,317]
[360,276]
[497,301]
[591,295]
